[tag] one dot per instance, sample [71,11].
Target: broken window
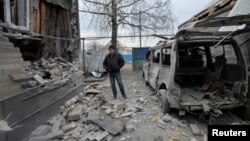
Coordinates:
[156,56]
[16,13]
[166,55]
[1,11]
[227,51]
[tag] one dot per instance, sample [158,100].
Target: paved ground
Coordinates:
[147,128]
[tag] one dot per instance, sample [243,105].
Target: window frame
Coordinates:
[7,15]
[153,55]
[169,46]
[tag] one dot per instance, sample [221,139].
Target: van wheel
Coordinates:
[164,101]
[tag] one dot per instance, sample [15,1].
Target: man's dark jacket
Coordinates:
[114,63]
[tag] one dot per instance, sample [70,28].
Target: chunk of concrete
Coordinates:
[129,126]
[55,135]
[195,130]
[168,118]
[141,99]
[68,127]
[52,65]
[108,111]
[160,123]
[119,106]
[128,114]
[76,113]
[94,136]
[39,79]
[112,126]
[93,115]
[71,101]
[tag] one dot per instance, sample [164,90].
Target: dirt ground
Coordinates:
[137,118]
[148,126]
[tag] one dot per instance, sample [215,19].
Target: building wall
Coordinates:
[57,20]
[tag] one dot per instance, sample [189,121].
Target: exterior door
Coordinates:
[146,65]
[155,67]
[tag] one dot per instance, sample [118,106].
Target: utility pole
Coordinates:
[140,26]
[80,42]
[83,52]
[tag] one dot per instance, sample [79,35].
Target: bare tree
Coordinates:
[94,46]
[148,16]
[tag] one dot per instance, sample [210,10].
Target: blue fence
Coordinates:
[127,57]
[139,55]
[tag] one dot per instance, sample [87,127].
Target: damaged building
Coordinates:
[39,43]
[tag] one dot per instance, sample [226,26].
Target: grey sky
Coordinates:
[183,10]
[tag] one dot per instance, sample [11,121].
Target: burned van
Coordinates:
[197,74]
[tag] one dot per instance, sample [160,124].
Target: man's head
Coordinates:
[111,50]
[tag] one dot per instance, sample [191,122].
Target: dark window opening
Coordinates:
[166,55]
[202,63]
[31,49]
[1,11]
[148,55]
[156,56]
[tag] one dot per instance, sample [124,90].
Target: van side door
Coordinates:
[155,67]
[166,65]
[146,65]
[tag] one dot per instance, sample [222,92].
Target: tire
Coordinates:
[164,100]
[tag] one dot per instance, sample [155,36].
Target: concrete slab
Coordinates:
[76,113]
[39,79]
[112,126]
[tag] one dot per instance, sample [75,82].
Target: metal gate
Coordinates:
[138,56]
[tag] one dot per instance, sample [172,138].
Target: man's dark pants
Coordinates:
[116,76]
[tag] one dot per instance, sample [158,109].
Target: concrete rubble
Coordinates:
[86,116]
[50,70]
[92,116]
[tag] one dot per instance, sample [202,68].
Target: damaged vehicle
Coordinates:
[191,74]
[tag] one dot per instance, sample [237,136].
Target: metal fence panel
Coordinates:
[139,55]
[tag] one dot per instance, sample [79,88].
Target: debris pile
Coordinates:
[49,70]
[86,117]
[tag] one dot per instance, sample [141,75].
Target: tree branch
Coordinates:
[97,13]
[135,1]
[99,3]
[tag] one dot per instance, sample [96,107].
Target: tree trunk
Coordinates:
[114,23]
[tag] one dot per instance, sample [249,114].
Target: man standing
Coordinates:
[113,62]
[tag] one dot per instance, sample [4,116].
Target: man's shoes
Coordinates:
[125,97]
[114,98]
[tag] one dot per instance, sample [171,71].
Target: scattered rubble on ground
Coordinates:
[90,117]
